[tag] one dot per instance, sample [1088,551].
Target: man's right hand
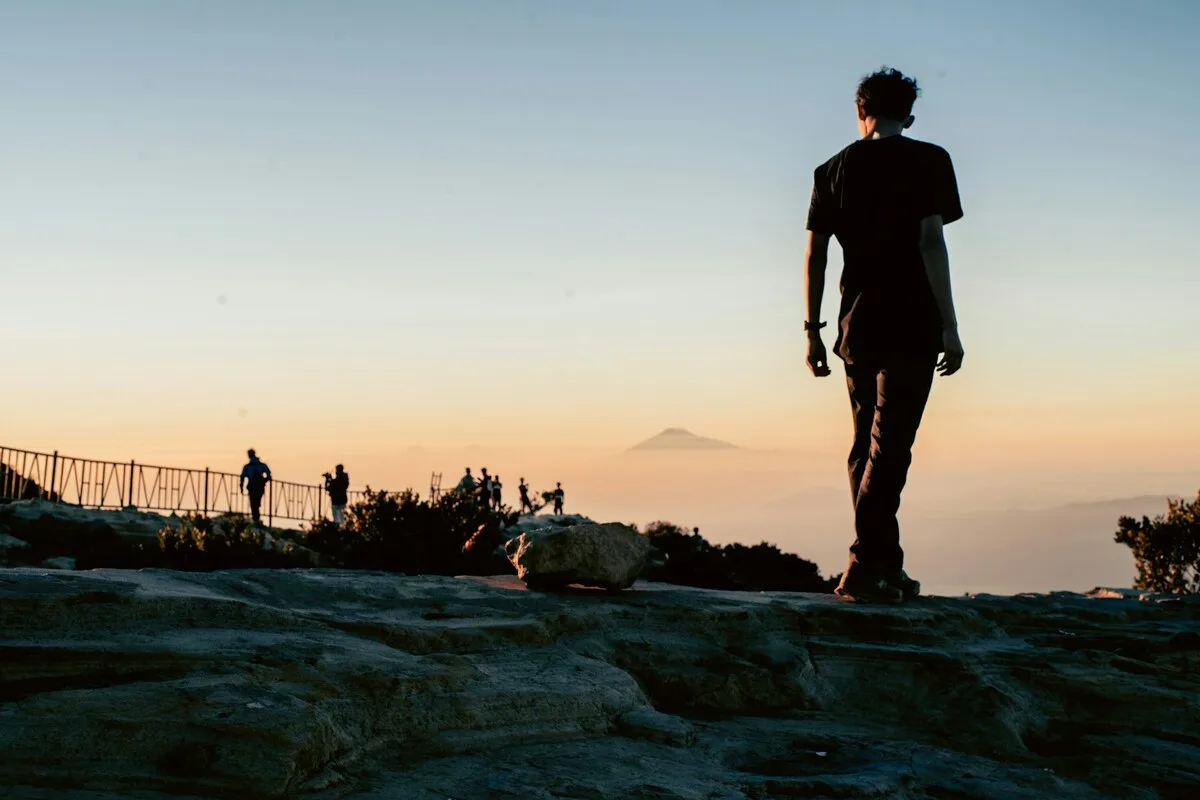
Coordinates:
[818,360]
[952,353]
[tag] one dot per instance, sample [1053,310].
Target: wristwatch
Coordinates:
[814,326]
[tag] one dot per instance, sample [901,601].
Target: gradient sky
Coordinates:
[363,226]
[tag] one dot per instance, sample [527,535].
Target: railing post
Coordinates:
[206,491]
[270,504]
[53,475]
[130,503]
[320,503]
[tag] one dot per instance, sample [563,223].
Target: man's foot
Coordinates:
[905,584]
[858,588]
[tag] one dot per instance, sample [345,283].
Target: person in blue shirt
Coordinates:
[255,477]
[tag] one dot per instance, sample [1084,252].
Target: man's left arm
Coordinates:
[816,258]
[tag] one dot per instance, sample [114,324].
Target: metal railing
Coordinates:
[25,475]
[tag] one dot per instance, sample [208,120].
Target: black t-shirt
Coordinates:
[872,196]
[339,489]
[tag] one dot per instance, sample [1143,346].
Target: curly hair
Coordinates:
[887,94]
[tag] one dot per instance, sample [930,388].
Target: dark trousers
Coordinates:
[887,403]
[256,496]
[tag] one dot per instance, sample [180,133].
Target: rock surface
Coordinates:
[331,684]
[91,537]
[609,556]
[35,517]
[58,533]
[11,548]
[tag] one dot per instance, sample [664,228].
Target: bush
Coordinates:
[1166,549]
[689,559]
[202,544]
[399,532]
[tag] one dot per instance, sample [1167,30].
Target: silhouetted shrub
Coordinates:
[202,544]
[399,532]
[1166,549]
[690,560]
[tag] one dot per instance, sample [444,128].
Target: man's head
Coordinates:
[339,469]
[251,454]
[468,470]
[885,96]
[559,485]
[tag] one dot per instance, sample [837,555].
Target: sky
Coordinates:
[340,231]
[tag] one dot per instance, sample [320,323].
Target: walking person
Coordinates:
[886,198]
[526,503]
[559,494]
[253,481]
[338,487]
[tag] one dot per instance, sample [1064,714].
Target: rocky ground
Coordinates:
[330,684]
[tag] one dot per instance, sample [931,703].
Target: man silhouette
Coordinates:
[886,198]
[485,488]
[338,486]
[526,503]
[559,495]
[254,479]
[497,493]
[467,483]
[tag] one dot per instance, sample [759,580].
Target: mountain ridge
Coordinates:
[680,439]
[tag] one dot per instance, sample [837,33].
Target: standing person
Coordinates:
[485,487]
[466,483]
[886,198]
[254,479]
[526,503]
[338,486]
[559,494]
[497,496]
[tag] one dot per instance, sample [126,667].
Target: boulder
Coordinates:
[94,538]
[609,556]
[12,549]
[59,562]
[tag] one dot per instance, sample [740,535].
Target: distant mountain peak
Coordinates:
[682,439]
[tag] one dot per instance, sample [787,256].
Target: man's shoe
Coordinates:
[858,589]
[905,584]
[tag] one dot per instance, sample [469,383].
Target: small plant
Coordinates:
[1166,549]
